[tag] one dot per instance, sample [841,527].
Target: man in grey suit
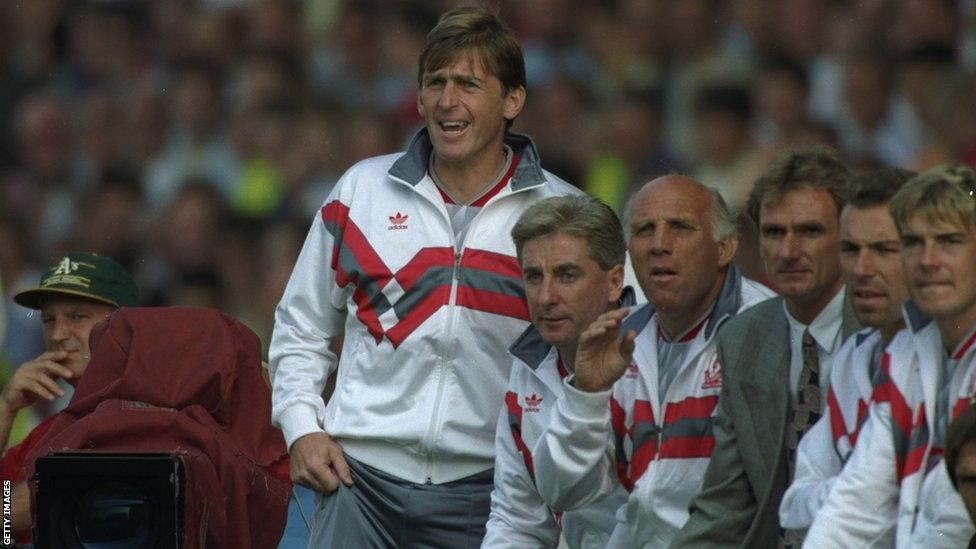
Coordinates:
[776,355]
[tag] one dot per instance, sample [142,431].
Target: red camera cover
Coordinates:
[188,382]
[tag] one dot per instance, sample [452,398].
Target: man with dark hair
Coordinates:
[870,262]
[572,251]
[410,260]
[74,295]
[929,376]
[775,357]
[638,412]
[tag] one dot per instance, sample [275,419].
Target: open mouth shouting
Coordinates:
[453,127]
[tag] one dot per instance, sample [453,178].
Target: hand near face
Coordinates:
[36,379]
[603,353]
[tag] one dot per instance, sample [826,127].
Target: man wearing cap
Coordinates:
[77,293]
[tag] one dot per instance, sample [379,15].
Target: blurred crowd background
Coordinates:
[194,140]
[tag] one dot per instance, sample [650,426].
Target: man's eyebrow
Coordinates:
[569,266]
[809,224]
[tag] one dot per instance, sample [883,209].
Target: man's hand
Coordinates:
[33,380]
[603,355]
[317,463]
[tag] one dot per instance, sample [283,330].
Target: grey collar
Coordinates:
[863,335]
[916,319]
[412,166]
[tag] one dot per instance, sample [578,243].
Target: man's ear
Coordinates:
[514,101]
[726,249]
[615,283]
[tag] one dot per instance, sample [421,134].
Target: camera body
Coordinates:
[87,499]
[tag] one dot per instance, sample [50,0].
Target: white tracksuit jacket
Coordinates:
[823,451]
[427,323]
[895,474]
[519,517]
[657,450]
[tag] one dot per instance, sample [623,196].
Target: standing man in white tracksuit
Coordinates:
[870,264]
[929,376]
[410,260]
[651,406]
[572,251]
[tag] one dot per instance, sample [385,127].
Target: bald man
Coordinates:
[647,380]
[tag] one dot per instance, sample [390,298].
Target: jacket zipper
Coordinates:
[447,354]
[447,347]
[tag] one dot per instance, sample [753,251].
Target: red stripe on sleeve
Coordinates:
[965,347]
[618,419]
[514,410]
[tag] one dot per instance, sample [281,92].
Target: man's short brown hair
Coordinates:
[944,193]
[878,187]
[818,167]
[471,30]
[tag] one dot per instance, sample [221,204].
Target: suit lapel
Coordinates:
[767,392]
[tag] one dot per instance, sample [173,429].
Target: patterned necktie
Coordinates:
[806,411]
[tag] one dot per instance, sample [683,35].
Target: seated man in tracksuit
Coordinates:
[870,263]
[571,250]
[928,376]
[639,407]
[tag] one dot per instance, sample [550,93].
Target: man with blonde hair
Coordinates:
[928,376]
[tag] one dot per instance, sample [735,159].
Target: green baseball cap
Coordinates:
[89,276]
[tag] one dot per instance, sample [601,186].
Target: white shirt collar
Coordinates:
[825,326]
